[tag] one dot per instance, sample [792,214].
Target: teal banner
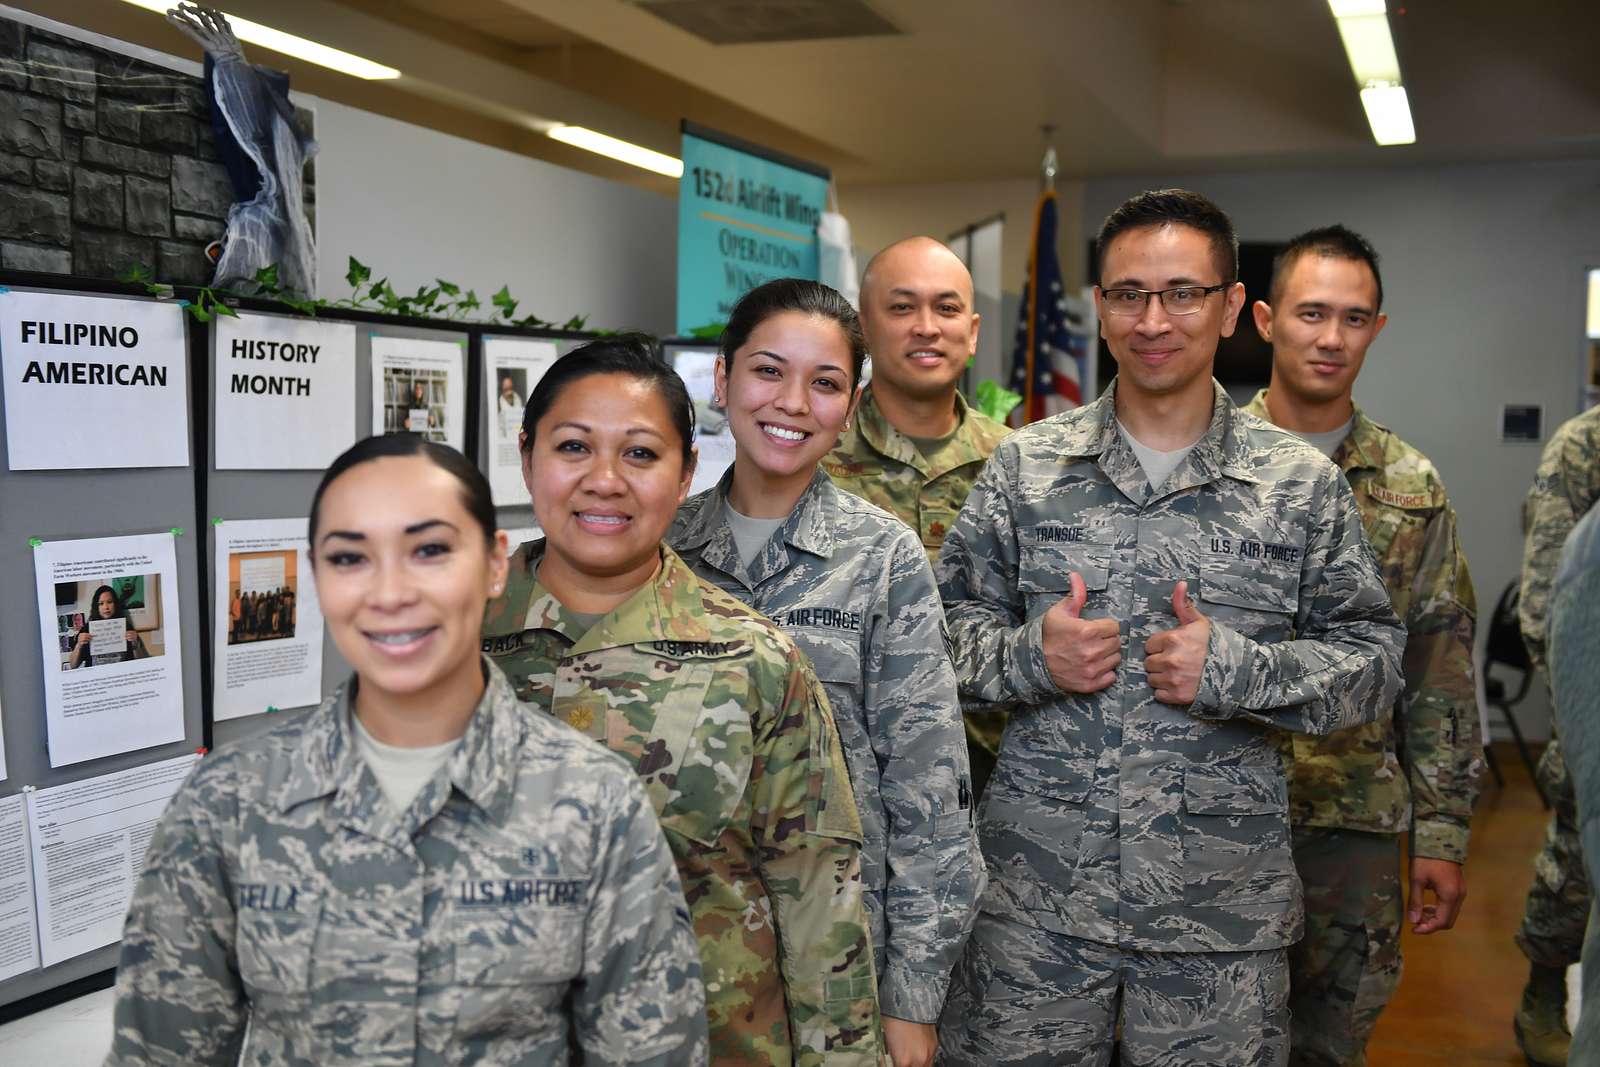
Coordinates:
[745,216]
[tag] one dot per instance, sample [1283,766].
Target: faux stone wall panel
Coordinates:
[17,169]
[102,153]
[30,126]
[80,118]
[201,188]
[34,215]
[194,228]
[168,131]
[183,263]
[149,206]
[66,73]
[14,255]
[101,254]
[52,175]
[97,199]
[118,120]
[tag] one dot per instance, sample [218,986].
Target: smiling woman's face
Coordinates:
[403,572]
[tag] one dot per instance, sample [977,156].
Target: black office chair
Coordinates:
[1505,649]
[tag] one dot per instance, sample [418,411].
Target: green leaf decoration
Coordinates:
[358,273]
[448,288]
[137,274]
[709,332]
[995,400]
[267,278]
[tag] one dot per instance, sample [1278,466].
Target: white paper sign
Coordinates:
[286,392]
[19,931]
[99,703]
[2,746]
[93,382]
[713,442]
[88,845]
[420,386]
[107,637]
[268,636]
[512,367]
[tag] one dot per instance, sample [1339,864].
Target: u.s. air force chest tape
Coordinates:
[1395,499]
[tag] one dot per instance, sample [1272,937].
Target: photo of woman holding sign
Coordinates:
[105,606]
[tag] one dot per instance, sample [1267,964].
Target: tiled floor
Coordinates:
[1454,1006]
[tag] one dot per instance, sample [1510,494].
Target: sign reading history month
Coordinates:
[93,382]
[419,386]
[286,392]
[512,366]
[88,841]
[113,657]
[746,215]
[269,625]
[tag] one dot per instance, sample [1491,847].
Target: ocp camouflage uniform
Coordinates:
[726,724]
[1566,485]
[526,890]
[848,581]
[880,464]
[1120,831]
[1352,793]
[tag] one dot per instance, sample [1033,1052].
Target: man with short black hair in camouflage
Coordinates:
[1158,580]
[1353,793]
[1557,912]
[917,446]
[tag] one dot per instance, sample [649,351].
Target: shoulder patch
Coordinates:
[1410,501]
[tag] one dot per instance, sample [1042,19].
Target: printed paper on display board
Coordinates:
[19,930]
[512,366]
[2,745]
[269,624]
[713,442]
[93,382]
[117,699]
[419,386]
[520,535]
[88,843]
[286,392]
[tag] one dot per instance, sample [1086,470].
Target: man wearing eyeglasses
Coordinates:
[1157,581]
[1352,795]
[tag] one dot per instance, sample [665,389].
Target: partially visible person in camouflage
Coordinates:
[1353,793]
[849,582]
[423,869]
[1160,582]
[917,446]
[721,717]
[1557,912]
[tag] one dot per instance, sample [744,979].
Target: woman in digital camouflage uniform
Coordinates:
[851,584]
[605,628]
[423,869]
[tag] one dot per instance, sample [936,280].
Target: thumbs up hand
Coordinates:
[1174,659]
[1081,654]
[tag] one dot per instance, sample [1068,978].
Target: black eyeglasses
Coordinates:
[1180,300]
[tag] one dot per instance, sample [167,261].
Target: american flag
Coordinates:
[1053,335]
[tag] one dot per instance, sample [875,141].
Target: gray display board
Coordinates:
[61,505]
[233,494]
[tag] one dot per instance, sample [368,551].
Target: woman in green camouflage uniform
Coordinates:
[422,870]
[607,629]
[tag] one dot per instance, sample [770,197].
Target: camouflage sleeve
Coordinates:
[641,999]
[999,656]
[808,837]
[1563,490]
[1441,742]
[179,998]
[935,872]
[1343,668]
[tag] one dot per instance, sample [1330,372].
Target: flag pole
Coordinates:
[1047,189]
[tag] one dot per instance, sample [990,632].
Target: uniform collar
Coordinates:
[962,448]
[808,528]
[672,596]
[1221,451]
[483,768]
[1362,447]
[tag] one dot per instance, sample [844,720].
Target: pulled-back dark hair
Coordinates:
[1168,207]
[1332,242]
[793,294]
[632,354]
[475,492]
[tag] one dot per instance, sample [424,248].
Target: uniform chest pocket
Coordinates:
[1044,573]
[276,929]
[528,931]
[1236,836]
[697,761]
[1258,598]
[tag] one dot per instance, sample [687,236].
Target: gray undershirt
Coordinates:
[401,772]
[1327,443]
[750,536]
[1158,465]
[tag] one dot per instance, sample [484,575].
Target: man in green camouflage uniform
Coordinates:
[1159,582]
[1557,913]
[1353,793]
[524,894]
[916,446]
[729,729]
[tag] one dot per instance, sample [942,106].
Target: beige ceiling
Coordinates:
[962,92]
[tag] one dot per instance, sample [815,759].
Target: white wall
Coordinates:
[1483,272]
[416,205]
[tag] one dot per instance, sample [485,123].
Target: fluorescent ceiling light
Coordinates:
[1343,9]
[1370,48]
[626,151]
[290,45]
[1389,114]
